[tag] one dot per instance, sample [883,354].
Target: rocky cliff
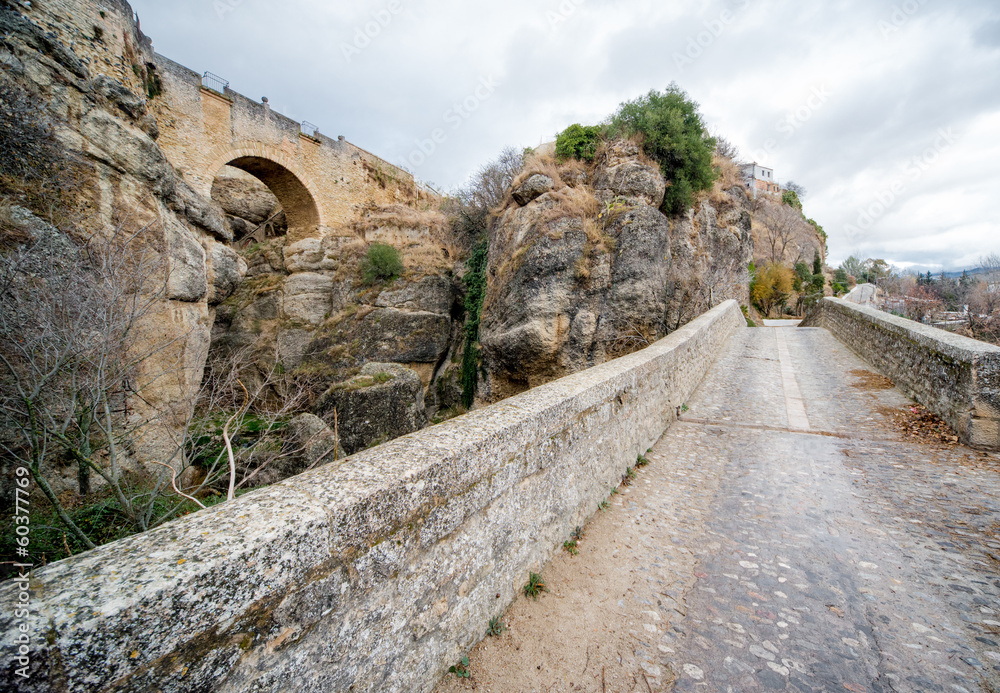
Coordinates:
[584,267]
[81,99]
[93,166]
[306,308]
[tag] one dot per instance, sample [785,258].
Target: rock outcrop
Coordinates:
[307,308]
[583,267]
[94,143]
[90,91]
[313,442]
[247,203]
[384,401]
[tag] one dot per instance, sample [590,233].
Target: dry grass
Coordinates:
[401,217]
[597,238]
[574,170]
[572,202]
[534,164]
[729,176]
[423,236]
[729,172]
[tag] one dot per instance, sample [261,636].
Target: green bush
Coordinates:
[803,275]
[790,198]
[578,142]
[382,263]
[673,134]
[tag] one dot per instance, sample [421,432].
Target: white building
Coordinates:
[759,179]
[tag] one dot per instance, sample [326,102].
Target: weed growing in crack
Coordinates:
[535,586]
[461,670]
[496,628]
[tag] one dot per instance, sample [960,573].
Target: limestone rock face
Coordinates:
[712,250]
[94,98]
[226,271]
[430,294]
[532,188]
[582,274]
[305,304]
[307,297]
[248,200]
[188,274]
[385,401]
[247,203]
[623,174]
[388,334]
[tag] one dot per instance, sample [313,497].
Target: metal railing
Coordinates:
[214,82]
[308,128]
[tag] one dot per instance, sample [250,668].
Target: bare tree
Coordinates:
[989,269]
[799,191]
[69,317]
[726,149]
[921,303]
[74,363]
[470,206]
[489,185]
[781,225]
[984,301]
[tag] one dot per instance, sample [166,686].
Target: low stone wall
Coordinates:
[372,575]
[955,377]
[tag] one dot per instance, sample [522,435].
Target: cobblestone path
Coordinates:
[784,537]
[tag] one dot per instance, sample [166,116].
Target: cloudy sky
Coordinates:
[887,112]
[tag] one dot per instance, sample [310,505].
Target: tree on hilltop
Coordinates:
[674,134]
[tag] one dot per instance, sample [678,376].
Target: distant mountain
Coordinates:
[955,274]
[950,274]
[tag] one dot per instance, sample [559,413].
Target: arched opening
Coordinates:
[270,201]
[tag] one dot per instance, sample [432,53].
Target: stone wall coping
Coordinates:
[955,377]
[129,607]
[954,345]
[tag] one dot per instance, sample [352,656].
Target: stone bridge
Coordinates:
[320,182]
[758,515]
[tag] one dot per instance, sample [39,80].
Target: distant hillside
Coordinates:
[950,274]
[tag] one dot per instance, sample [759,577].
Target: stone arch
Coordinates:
[282,176]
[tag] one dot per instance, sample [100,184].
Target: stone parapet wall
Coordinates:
[375,574]
[955,377]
